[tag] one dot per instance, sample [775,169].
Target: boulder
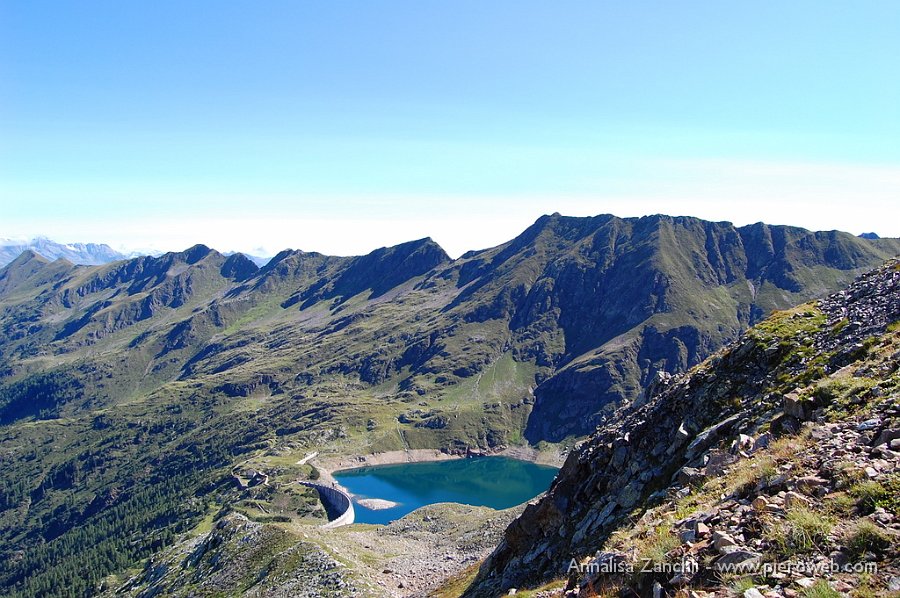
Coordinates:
[762,442]
[721,540]
[799,407]
[811,484]
[689,476]
[741,443]
[794,500]
[681,437]
[887,436]
[738,561]
[717,461]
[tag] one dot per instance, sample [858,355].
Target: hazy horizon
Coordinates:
[263,252]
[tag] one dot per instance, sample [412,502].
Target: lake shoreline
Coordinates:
[495,481]
[327,466]
[531,455]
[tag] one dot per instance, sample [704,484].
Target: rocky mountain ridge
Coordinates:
[834,362]
[596,306]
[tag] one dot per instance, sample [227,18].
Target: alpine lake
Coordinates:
[495,482]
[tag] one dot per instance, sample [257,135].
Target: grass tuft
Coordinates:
[868,495]
[866,537]
[657,545]
[741,585]
[803,531]
[820,589]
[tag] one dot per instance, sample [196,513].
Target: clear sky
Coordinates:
[345,126]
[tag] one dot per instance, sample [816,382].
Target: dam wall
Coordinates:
[337,503]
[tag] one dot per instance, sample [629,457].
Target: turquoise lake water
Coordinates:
[496,482]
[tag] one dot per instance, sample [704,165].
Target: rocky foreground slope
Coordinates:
[771,469]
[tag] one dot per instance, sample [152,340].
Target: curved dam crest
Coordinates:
[337,503]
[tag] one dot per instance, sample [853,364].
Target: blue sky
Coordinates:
[344,126]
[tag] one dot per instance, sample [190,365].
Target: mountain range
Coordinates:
[129,390]
[85,254]
[91,254]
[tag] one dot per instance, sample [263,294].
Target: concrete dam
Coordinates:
[337,504]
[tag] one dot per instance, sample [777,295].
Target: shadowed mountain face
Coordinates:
[155,369]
